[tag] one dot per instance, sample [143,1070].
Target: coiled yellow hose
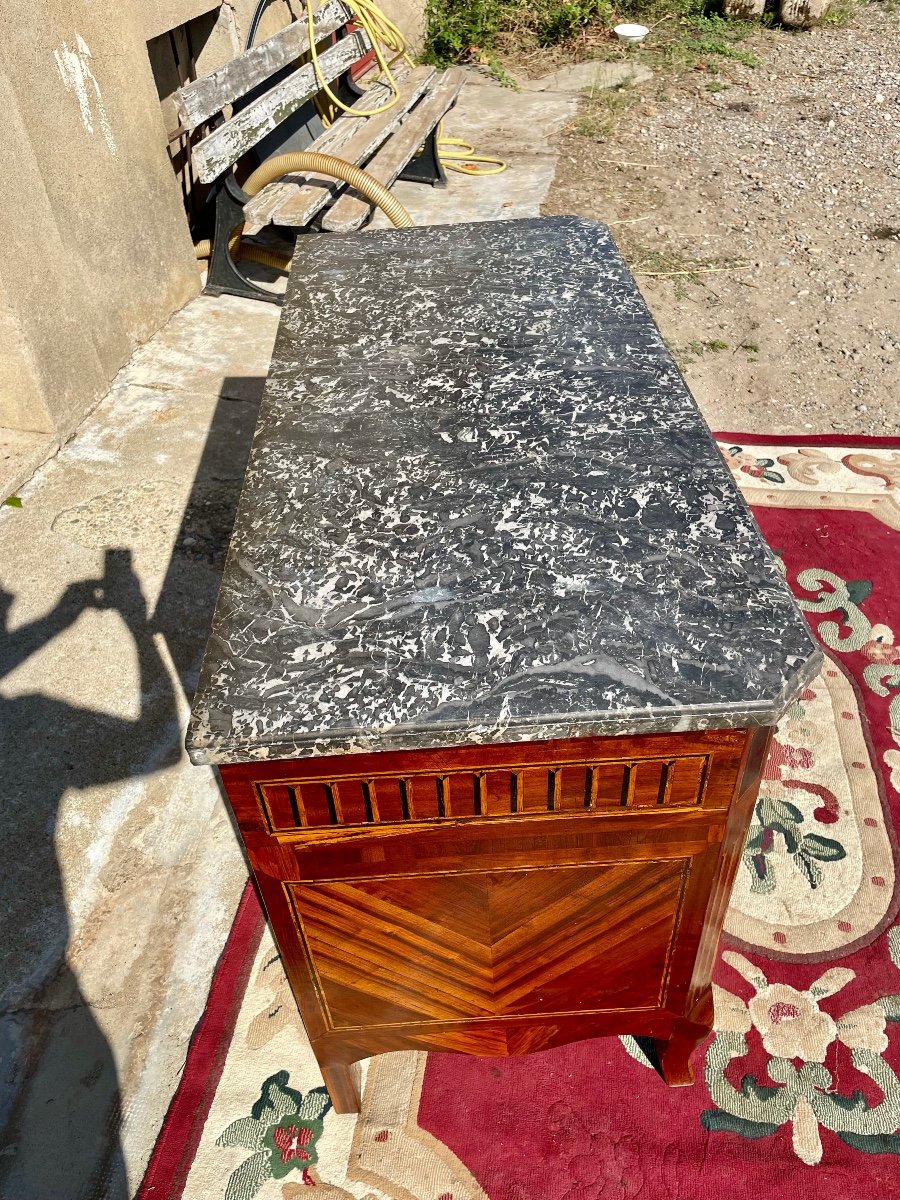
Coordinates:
[323,164]
[383,34]
[381,31]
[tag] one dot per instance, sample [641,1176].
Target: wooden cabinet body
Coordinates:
[501,899]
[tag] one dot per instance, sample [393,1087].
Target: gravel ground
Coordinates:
[782,193]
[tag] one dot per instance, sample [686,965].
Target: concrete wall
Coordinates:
[95,252]
[94,249]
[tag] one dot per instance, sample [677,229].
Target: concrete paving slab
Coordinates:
[478,198]
[590,76]
[21,453]
[515,126]
[122,870]
[501,120]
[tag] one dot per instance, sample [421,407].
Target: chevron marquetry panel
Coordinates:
[482,944]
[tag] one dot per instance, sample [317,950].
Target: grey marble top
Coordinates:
[481,506]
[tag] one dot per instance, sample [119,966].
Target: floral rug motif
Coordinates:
[797,1091]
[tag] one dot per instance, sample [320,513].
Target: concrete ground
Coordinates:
[121,868]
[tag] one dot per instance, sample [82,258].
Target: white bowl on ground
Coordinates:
[631,33]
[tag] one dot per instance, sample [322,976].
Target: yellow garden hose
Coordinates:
[259,254]
[457,155]
[323,164]
[383,34]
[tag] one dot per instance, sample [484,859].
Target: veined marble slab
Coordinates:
[481,506]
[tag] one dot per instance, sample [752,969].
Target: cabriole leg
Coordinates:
[342,1082]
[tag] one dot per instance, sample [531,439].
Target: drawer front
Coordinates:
[585,776]
[471,945]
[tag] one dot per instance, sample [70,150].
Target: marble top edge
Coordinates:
[554,727]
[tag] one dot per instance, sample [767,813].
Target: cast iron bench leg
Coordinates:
[224,277]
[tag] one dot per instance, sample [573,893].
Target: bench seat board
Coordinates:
[350,210]
[224,146]
[258,211]
[300,197]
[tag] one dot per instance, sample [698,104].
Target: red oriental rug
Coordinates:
[797,1091]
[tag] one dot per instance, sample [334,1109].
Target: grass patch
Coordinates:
[841,13]
[648,262]
[602,111]
[497,32]
[457,30]
[694,40]
[698,348]
[687,355]
[645,260]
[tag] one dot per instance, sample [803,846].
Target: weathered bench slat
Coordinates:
[225,145]
[200,100]
[258,212]
[299,204]
[350,210]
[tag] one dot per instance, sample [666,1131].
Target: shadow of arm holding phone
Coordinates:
[60,1106]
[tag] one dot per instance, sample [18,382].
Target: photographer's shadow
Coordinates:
[60,1104]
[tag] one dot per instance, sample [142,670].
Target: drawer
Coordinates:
[477,944]
[590,775]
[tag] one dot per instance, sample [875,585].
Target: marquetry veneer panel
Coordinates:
[477,944]
[501,899]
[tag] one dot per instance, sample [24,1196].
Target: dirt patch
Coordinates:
[759,209]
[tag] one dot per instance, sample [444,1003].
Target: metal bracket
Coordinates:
[224,277]
[426,167]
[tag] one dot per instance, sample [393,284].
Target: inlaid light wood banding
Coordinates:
[498,792]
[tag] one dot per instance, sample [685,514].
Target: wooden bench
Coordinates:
[385,144]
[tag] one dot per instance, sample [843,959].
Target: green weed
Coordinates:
[682,34]
[841,13]
[498,31]
[602,111]
[455,29]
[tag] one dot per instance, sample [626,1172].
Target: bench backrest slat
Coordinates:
[198,101]
[224,146]
[259,211]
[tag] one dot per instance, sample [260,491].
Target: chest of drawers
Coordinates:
[497,654]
